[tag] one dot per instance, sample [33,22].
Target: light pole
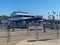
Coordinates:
[59,17]
[8,31]
[36,28]
[57,27]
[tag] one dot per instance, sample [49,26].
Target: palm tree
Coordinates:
[53,17]
[54,12]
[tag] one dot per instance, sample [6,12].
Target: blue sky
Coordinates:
[41,7]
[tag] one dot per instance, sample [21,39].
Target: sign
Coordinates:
[39,27]
[33,28]
[36,28]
